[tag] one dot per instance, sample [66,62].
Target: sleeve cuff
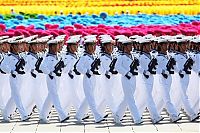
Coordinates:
[165,72]
[108,73]
[33,71]
[182,72]
[146,72]
[14,72]
[52,74]
[129,74]
[89,72]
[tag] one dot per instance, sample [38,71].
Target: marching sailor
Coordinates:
[88,66]
[52,67]
[15,64]
[127,67]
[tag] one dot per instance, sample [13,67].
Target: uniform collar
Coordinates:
[119,52]
[107,55]
[33,54]
[90,55]
[74,55]
[162,54]
[136,51]
[171,51]
[128,55]
[183,54]
[193,51]
[53,55]
[15,55]
[146,54]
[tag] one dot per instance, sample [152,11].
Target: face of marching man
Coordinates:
[34,48]
[171,46]
[183,46]
[26,47]
[17,48]
[128,48]
[108,48]
[164,47]
[90,48]
[54,48]
[146,47]
[73,48]
[61,46]
[5,47]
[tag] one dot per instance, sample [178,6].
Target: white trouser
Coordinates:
[37,97]
[193,91]
[70,98]
[146,87]
[89,100]
[184,98]
[41,90]
[129,89]
[15,100]
[52,99]
[28,92]
[4,90]
[164,92]
[108,99]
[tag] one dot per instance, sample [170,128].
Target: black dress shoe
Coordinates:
[100,121]
[105,116]
[158,120]
[195,118]
[27,119]
[67,118]
[30,114]
[86,117]
[177,119]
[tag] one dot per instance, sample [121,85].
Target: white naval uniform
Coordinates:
[47,67]
[144,87]
[197,104]
[89,84]
[27,86]
[36,90]
[123,67]
[43,90]
[5,85]
[182,100]
[193,90]
[8,66]
[108,85]
[70,85]
[162,88]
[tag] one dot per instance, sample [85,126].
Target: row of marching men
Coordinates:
[138,72]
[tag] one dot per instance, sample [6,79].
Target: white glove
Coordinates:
[52,74]
[147,72]
[165,72]
[14,72]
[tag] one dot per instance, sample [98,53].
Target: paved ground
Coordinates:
[106,126]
